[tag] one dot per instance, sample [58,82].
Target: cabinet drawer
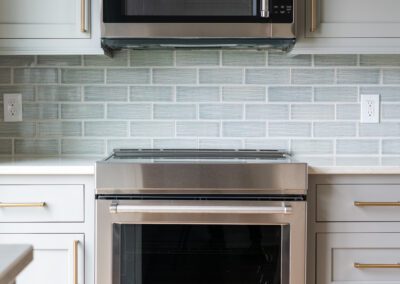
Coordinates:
[337,202]
[22,203]
[57,258]
[337,254]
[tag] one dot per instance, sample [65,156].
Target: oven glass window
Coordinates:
[200,254]
[190,7]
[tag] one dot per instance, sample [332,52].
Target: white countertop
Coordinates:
[13,259]
[86,166]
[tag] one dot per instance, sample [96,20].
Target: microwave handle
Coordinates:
[199,209]
[264,11]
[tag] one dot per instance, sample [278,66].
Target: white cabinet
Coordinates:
[348,26]
[57,258]
[50,27]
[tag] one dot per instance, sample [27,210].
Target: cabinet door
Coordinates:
[57,258]
[355,19]
[44,19]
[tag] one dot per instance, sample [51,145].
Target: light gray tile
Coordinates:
[59,129]
[106,128]
[82,111]
[357,146]
[16,60]
[220,76]
[335,94]
[105,93]
[128,76]
[197,129]
[152,128]
[36,147]
[380,60]
[197,57]
[334,129]
[358,76]
[58,93]
[59,60]
[27,92]
[152,57]
[244,129]
[391,76]
[283,59]
[128,111]
[390,111]
[39,111]
[313,112]
[197,94]
[265,76]
[174,111]
[314,161]
[221,111]
[335,60]
[387,94]
[380,130]
[5,75]
[82,76]
[35,75]
[17,129]
[82,146]
[220,144]
[290,94]
[357,161]
[289,129]
[175,143]
[243,94]
[127,144]
[5,146]
[243,58]
[390,161]
[151,93]
[391,146]
[312,146]
[120,58]
[174,76]
[267,112]
[348,112]
[281,144]
[313,76]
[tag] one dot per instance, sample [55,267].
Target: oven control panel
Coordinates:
[281,11]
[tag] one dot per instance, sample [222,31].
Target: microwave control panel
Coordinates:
[281,11]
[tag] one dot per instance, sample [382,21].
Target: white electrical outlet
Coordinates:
[12,107]
[370,108]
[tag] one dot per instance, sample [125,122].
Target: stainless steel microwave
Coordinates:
[198,23]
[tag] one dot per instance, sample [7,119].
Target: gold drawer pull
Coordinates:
[34,204]
[376,265]
[376,204]
[75,252]
[83,16]
[314,16]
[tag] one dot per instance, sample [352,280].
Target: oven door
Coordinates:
[200,241]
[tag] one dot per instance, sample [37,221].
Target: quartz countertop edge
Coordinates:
[86,166]
[13,259]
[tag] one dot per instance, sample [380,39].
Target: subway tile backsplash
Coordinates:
[308,104]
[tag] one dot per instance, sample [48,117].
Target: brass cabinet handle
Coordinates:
[75,252]
[34,204]
[83,16]
[314,16]
[376,204]
[376,265]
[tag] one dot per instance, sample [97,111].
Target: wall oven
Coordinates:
[198,23]
[217,218]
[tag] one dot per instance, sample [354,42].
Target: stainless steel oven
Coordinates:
[197,23]
[237,218]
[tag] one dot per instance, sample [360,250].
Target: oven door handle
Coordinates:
[199,209]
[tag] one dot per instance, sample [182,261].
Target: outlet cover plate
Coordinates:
[370,108]
[12,107]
